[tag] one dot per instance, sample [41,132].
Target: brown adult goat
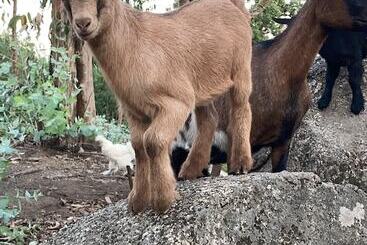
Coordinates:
[280,96]
[161,67]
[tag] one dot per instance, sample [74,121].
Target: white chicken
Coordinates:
[120,155]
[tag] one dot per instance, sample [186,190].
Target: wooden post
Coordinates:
[130,177]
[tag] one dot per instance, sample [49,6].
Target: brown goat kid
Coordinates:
[163,66]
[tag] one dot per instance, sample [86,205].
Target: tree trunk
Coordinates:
[14,55]
[59,35]
[62,36]
[86,106]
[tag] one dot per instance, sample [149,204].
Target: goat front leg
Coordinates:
[140,196]
[332,74]
[355,79]
[169,119]
[241,119]
[199,156]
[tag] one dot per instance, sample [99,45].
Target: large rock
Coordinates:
[262,208]
[332,143]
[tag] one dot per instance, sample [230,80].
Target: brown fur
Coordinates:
[163,66]
[280,95]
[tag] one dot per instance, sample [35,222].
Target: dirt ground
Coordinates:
[71,183]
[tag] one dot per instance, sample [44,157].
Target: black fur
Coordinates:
[358,8]
[217,156]
[178,157]
[180,154]
[344,48]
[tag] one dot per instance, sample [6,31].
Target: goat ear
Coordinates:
[282,21]
[103,4]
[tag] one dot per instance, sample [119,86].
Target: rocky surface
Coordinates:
[260,208]
[332,143]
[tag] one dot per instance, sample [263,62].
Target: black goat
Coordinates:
[342,48]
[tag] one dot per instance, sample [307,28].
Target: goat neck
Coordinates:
[297,46]
[122,36]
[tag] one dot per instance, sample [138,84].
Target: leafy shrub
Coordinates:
[111,129]
[30,104]
[105,100]
[263,25]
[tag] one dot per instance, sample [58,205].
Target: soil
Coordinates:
[71,184]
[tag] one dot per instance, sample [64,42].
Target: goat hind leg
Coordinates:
[199,156]
[157,140]
[355,79]
[279,157]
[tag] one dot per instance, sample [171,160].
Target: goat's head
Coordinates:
[89,18]
[346,14]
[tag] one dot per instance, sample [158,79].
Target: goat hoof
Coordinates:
[164,201]
[240,166]
[163,192]
[356,108]
[138,203]
[180,178]
[189,172]
[239,171]
[189,175]
[323,103]
[233,173]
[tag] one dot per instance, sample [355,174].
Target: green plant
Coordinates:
[11,233]
[4,164]
[32,107]
[8,211]
[30,103]
[105,100]
[263,25]
[111,129]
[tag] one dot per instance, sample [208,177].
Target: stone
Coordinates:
[332,143]
[258,208]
